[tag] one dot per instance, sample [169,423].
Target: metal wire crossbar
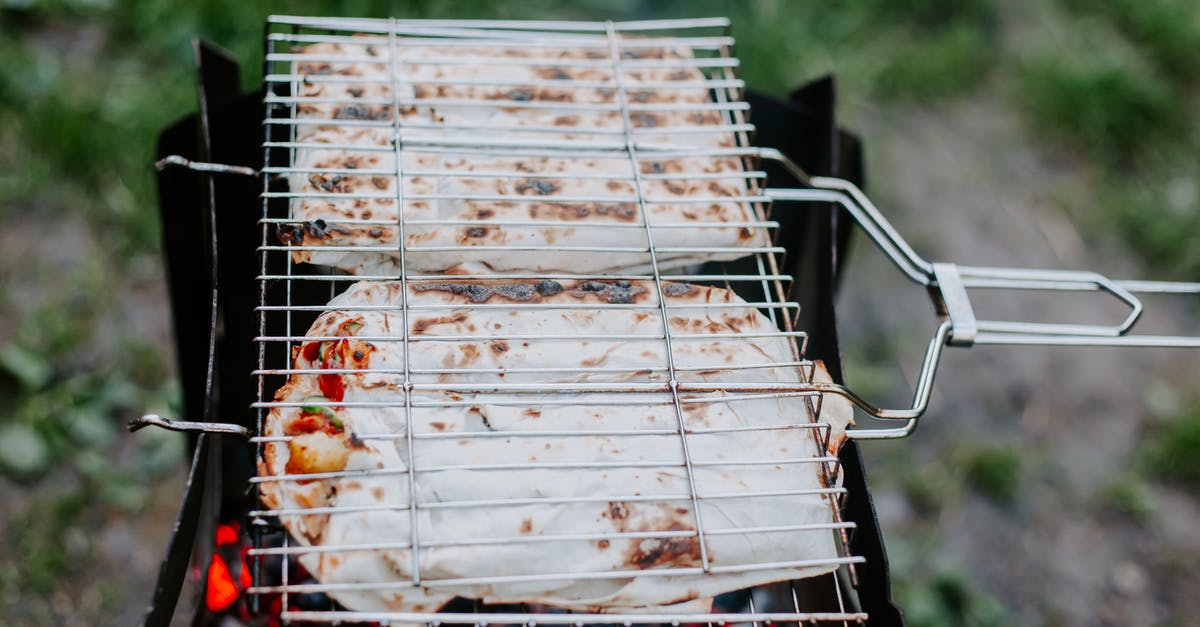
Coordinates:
[501,355]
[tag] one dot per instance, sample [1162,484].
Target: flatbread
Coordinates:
[564,189]
[467,440]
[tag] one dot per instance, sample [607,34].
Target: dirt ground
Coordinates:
[964,188]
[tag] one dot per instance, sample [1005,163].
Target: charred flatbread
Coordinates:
[528,489]
[500,163]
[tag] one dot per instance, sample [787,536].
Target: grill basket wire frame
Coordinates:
[615,49]
[948,283]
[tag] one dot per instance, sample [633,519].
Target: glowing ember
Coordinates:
[222,591]
[224,587]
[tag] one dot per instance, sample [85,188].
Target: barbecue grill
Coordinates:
[251,261]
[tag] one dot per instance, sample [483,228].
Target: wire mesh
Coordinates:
[494,295]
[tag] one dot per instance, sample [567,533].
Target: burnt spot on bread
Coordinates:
[517,291]
[536,186]
[358,112]
[297,233]
[499,347]
[617,511]
[552,73]
[645,53]
[670,166]
[483,417]
[519,94]
[624,212]
[438,426]
[475,231]
[566,120]
[532,412]
[593,362]
[380,182]
[658,552]
[717,189]
[482,292]
[614,292]
[678,289]
[645,120]
[316,69]
[546,287]
[642,96]
[422,325]
[331,183]
[527,526]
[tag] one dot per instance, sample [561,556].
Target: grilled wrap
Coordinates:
[496,153]
[336,465]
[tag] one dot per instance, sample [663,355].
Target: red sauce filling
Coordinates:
[342,354]
[311,351]
[312,422]
[331,386]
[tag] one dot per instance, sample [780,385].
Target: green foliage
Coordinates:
[933,14]
[994,472]
[925,495]
[1161,218]
[46,542]
[1168,31]
[942,64]
[948,599]
[1129,497]
[1113,113]
[1173,454]
[934,592]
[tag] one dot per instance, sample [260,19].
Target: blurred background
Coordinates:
[1045,486]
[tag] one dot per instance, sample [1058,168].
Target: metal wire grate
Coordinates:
[517,218]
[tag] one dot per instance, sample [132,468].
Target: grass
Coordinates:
[1159,219]
[1128,497]
[994,472]
[1173,454]
[1168,31]
[942,64]
[1113,113]
[948,599]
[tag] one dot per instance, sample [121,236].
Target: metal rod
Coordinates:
[185,426]
[662,301]
[414,527]
[200,166]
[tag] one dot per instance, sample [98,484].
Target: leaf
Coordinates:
[23,453]
[90,426]
[29,369]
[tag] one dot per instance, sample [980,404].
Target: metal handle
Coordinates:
[949,284]
[177,161]
[186,426]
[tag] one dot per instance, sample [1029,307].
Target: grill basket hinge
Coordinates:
[950,298]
